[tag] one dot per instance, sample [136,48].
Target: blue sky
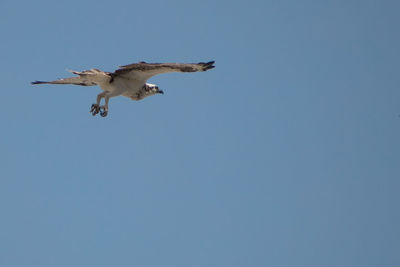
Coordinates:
[285,154]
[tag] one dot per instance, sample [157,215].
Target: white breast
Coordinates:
[122,86]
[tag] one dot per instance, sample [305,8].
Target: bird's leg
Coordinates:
[104,109]
[95,109]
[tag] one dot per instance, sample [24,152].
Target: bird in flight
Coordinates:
[129,80]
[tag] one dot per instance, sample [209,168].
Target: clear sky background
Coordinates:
[286,154]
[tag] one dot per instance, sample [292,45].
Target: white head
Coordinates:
[148,89]
[151,89]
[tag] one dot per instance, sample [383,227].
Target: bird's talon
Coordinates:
[94,109]
[103,111]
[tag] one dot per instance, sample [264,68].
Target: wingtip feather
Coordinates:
[38,82]
[209,65]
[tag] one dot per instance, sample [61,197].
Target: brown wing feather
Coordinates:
[85,78]
[143,70]
[72,80]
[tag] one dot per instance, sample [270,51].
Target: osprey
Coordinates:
[129,80]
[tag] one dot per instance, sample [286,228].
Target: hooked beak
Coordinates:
[160,92]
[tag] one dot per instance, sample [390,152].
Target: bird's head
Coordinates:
[147,90]
[151,89]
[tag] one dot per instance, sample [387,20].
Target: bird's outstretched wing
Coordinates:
[142,71]
[85,78]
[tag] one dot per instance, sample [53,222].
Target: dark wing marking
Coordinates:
[143,71]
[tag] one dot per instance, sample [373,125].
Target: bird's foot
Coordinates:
[103,111]
[95,109]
